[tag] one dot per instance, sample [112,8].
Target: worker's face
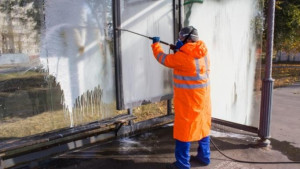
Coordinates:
[182,36]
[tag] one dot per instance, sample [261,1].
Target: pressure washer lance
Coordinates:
[173,47]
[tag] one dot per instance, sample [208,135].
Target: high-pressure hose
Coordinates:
[252,162]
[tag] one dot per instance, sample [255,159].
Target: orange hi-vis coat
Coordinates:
[191,89]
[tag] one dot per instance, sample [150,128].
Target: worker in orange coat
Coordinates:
[192,102]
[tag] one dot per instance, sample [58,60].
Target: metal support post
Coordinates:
[130,112]
[1,163]
[267,86]
[169,106]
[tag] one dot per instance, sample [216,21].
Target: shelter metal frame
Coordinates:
[177,15]
[118,53]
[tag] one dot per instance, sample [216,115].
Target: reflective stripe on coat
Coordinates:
[191,89]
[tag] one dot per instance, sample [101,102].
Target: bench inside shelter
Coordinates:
[20,147]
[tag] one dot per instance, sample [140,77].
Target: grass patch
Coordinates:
[45,122]
[285,74]
[16,75]
[21,127]
[149,111]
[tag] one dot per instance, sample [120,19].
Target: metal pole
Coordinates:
[169,106]
[1,163]
[117,54]
[130,112]
[268,81]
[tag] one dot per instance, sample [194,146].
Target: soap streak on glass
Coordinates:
[230,30]
[143,78]
[77,51]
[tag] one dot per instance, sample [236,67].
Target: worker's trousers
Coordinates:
[182,154]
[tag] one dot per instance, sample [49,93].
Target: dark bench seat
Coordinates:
[53,136]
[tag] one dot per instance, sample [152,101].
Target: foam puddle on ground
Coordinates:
[129,144]
[219,134]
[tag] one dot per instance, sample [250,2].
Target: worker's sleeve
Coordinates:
[168,60]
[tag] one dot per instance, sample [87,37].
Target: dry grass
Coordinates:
[285,74]
[48,121]
[29,74]
[45,122]
[21,127]
[150,111]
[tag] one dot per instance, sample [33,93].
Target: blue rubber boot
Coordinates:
[203,153]
[182,154]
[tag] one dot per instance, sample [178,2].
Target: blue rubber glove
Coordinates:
[179,44]
[155,39]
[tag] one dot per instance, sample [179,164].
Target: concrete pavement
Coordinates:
[154,149]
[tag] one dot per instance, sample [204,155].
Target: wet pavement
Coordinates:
[154,149]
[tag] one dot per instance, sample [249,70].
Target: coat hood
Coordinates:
[197,49]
